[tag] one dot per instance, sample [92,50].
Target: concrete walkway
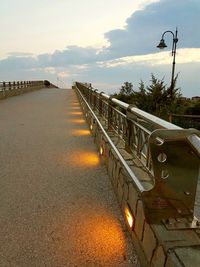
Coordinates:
[57,207]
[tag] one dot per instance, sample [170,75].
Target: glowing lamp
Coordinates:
[129,217]
[91,127]
[101,150]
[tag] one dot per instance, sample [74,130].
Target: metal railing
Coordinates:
[185,121]
[9,86]
[8,89]
[169,154]
[131,124]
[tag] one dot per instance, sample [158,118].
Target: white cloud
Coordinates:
[184,55]
[130,56]
[145,27]
[50,70]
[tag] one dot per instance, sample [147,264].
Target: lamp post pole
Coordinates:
[162,45]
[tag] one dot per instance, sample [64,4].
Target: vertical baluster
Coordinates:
[128,135]
[100,104]
[4,86]
[110,114]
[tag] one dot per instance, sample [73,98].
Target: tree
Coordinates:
[193,109]
[173,92]
[155,98]
[141,100]
[126,93]
[126,89]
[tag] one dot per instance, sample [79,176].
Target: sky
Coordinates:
[103,42]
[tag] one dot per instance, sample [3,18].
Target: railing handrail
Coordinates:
[139,113]
[15,85]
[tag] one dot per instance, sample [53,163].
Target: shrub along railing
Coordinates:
[167,154]
[19,87]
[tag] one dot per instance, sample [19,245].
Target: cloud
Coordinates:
[144,28]
[72,55]
[140,37]
[184,55]
[12,63]
[131,56]
[20,54]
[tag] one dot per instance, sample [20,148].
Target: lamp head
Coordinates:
[162,44]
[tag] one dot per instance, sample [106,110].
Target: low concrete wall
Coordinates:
[19,91]
[156,245]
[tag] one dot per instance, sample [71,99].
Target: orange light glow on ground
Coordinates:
[129,217]
[84,159]
[78,121]
[101,240]
[81,132]
[75,113]
[75,108]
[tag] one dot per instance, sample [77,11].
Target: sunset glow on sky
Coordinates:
[102,42]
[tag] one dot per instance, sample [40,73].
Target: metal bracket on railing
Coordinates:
[129,114]
[175,156]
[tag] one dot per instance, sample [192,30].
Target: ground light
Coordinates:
[75,113]
[101,150]
[81,132]
[129,216]
[81,121]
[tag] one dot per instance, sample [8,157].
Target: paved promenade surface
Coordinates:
[57,207]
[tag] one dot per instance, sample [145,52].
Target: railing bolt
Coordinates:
[197,223]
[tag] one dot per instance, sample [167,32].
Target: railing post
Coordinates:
[4,90]
[89,95]
[101,104]
[170,117]
[128,136]
[95,99]
[175,158]
[4,86]
[129,129]
[110,114]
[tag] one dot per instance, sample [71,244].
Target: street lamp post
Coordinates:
[162,45]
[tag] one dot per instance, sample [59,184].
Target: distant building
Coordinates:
[195,98]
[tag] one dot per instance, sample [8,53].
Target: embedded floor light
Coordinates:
[101,150]
[129,217]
